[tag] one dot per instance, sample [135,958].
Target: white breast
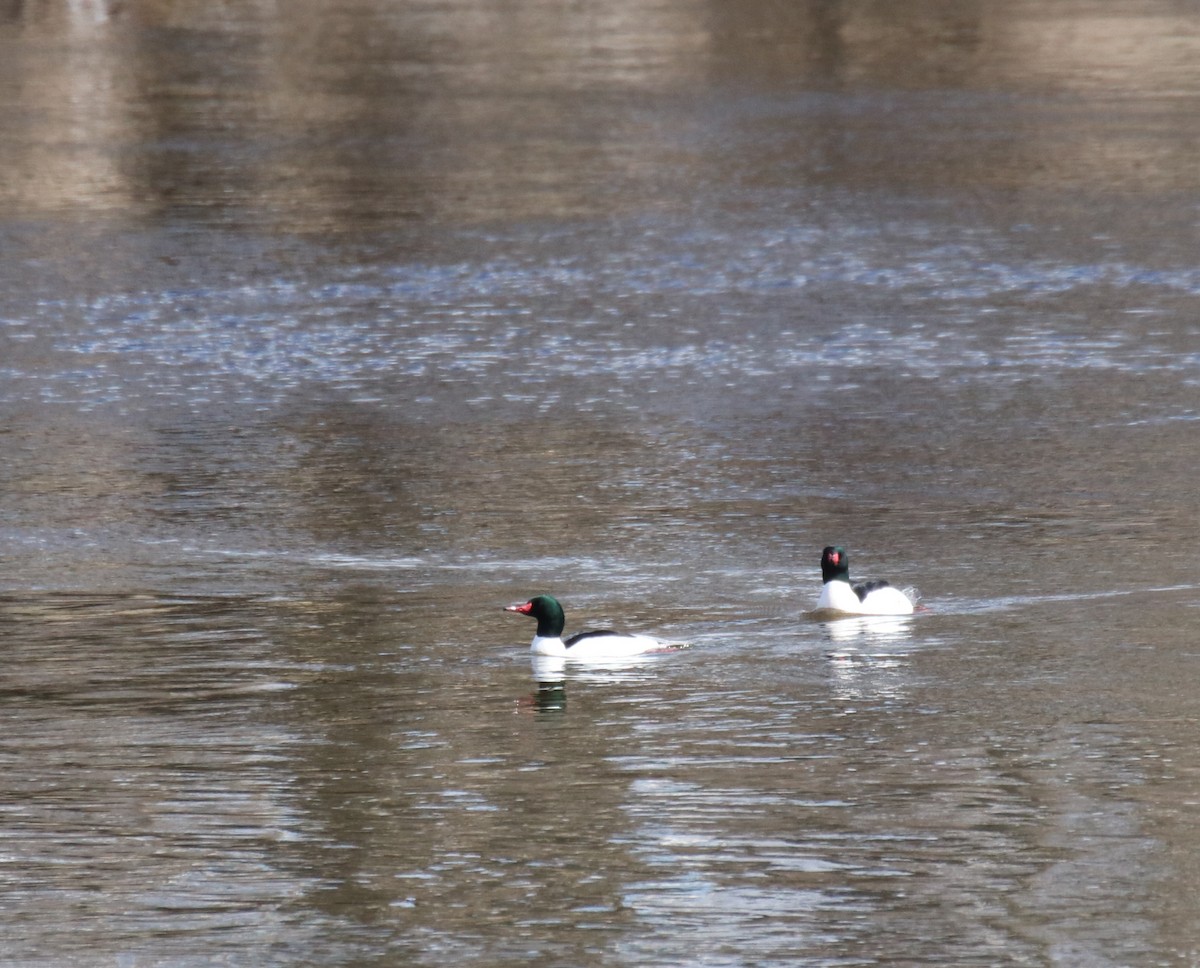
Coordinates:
[548,645]
[838,596]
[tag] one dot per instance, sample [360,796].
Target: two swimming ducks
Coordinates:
[838,597]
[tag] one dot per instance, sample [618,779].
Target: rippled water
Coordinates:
[328,332]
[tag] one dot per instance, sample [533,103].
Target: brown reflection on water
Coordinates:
[327,116]
[123,756]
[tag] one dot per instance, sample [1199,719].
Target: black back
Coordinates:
[865,589]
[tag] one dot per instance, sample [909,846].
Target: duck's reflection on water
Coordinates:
[549,697]
[869,629]
[869,660]
[550,674]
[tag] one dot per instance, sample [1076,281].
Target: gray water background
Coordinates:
[327,330]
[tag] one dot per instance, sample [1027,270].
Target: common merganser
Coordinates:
[586,646]
[869,598]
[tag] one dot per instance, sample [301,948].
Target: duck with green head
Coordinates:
[869,598]
[584,646]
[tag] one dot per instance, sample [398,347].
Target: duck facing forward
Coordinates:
[869,598]
[585,646]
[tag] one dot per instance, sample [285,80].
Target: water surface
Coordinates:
[328,332]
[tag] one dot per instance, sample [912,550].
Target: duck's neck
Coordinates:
[550,622]
[831,572]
